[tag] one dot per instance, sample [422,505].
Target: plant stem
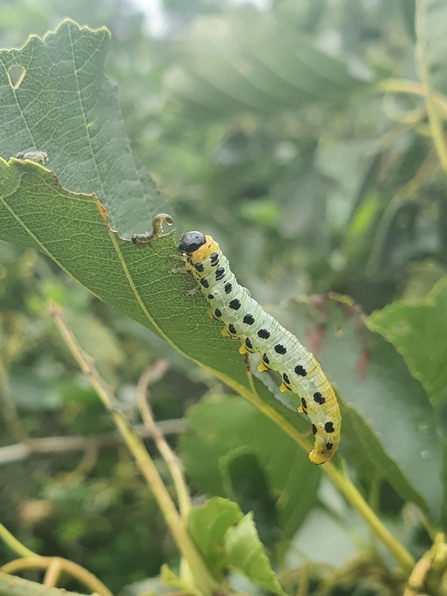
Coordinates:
[168,455]
[53,566]
[14,544]
[16,586]
[410,88]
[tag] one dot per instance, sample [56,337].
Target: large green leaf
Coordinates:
[54,97]
[252,60]
[418,330]
[387,417]
[224,430]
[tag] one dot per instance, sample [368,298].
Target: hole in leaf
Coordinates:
[16,74]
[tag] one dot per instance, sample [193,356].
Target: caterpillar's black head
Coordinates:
[191,241]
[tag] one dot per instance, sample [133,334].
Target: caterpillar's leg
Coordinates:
[175,256]
[246,346]
[262,366]
[178,270]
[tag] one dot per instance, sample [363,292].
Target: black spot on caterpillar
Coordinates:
[258,331]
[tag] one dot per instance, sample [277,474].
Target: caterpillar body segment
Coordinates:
[245,319]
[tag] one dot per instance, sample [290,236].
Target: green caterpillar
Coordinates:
[246,320]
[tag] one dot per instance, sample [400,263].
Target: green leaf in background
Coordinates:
[208,525]
[246,481]
[252,60]
[245,554]
[54,97]
[227,428]
[373,380]
[418,330]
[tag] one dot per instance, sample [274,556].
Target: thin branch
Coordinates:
[168,455]
[72,443]
[53,573]
[16,546]
[16,586]
[74,570]
[411,88]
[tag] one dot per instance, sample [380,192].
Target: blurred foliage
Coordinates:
[269,130]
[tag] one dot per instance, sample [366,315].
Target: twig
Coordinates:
[83,576]
[71,443]
[16,546]
[16,586]
[53,573]
[168,455]
[410,88]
